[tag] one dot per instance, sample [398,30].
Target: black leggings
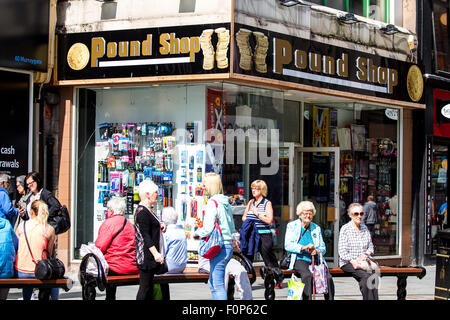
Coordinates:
[266,249]
[363,280]
[145,291]
[302,268]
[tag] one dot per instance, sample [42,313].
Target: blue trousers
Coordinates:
[217,272]
[27,292]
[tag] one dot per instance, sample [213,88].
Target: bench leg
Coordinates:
[230,291]
[401,288]
[269,283]
[88,290]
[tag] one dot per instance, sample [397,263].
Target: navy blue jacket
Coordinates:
[249,237]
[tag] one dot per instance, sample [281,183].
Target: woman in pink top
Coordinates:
[116,239]
[41,236]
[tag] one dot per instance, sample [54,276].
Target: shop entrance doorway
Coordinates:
[317,180]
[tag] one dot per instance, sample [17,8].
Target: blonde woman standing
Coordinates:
[260,211]
[217,207]
[41,237]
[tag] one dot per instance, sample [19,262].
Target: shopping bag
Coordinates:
[91,267]
[319,273]
[210,246]
[295,288]
[157,292]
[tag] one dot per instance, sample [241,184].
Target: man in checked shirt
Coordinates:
[355,245]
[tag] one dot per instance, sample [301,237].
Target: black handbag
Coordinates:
[46,269]
[286,260]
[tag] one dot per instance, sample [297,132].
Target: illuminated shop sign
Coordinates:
[145,52]
[278,56]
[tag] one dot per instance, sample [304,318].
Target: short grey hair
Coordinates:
[4,178]
[147,186]
[117,205]
[354,205]
[305,205]
[169,215]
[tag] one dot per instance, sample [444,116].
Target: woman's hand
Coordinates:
[159,257]
[163,227]
[355,264]
[309,247]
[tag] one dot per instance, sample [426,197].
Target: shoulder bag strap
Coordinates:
[28,244]
[301,236]
[123,226]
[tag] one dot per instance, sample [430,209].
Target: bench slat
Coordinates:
[384,271]
[65,283]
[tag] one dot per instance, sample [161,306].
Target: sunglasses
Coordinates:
[358,214]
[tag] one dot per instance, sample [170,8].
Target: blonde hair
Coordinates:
[261,185]
[213,183]
[306,205]
[40,209]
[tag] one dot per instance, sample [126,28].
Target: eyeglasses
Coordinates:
[358,214]
[307,213]
[30,183]
[256,189]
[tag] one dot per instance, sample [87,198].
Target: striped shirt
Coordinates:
[261,226]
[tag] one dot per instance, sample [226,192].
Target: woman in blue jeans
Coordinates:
[217,207]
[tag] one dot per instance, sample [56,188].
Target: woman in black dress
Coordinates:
[149,257]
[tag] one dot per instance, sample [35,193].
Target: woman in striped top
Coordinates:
[260,210]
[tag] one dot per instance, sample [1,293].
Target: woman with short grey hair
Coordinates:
[117,241]
[149,256]
[355,245]
[116,206]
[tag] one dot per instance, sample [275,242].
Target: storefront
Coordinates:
[437,192]
[315,121]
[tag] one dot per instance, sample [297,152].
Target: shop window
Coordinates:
[257,118]
[441,36]
[367,137]
[373,9]
[174,134]
[439,219]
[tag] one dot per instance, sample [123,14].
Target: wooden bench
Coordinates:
[44,286]
[401,272]
[89,283]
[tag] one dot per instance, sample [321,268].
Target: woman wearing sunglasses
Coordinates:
[355,246]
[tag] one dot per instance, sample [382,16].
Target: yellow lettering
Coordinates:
[97,50]
[194,47]
[283,54]
[123,49]
[135,48]
[147,46]
[301,59]
[111,49]
[165,46]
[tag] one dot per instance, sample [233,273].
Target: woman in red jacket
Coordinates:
[116,239]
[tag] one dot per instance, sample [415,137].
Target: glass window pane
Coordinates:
[367,137]
[441,37]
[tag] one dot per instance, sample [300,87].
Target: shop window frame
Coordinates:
[435,58]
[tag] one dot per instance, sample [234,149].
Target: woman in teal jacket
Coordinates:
[303,240]
[8,249]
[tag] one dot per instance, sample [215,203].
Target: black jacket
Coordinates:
[53,206]
[148,234]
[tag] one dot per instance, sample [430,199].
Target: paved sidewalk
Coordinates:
[346,289]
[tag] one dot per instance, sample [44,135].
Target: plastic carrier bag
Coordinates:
[91,267]
[295,288]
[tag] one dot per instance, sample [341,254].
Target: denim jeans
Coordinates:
[27,292]
[217,272]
